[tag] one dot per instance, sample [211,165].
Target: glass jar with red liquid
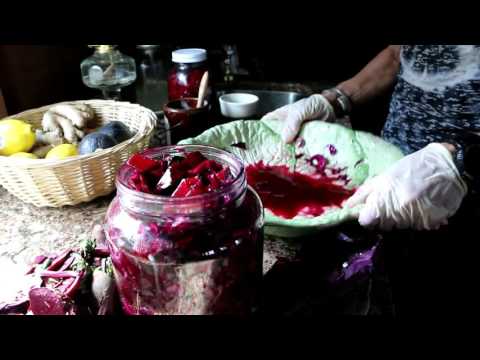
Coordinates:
[185,76]
[193,254]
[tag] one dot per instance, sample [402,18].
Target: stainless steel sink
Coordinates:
[272,96]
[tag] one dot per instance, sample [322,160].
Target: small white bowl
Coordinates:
[238,105]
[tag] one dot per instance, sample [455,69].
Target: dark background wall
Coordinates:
[36,75]
[32,76]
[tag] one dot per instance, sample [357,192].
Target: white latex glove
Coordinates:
[315,107]
[421,191]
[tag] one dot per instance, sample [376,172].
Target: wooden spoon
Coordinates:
[203,90]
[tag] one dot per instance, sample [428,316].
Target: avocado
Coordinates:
[117,130]
[95,141]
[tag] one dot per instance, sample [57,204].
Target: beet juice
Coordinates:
[288,194]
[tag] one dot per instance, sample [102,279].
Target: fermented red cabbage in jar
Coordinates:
[185,76]
[185,233]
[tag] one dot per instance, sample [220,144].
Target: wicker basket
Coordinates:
[55,183]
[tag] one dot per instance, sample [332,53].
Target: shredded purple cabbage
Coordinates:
[359,264]
[332,149]
[319,162]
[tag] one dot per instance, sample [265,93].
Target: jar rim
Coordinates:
[236,187]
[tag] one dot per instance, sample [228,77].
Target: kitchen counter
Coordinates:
[294,271]
[27,231]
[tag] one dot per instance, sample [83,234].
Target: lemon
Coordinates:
[15,136]
[24,155]
[62,151]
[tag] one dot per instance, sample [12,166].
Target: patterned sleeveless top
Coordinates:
[437,95]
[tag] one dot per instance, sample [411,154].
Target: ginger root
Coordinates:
[66,121]
[49,122]
[80,133]
[84,108]
[68,129]
[79,115]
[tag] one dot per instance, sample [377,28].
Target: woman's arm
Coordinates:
[375,78]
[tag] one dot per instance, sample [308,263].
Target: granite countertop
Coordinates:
[27,231]
[291,286]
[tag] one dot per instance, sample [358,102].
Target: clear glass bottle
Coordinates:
[108,70]
[152,89]
[185,76]
[187,256]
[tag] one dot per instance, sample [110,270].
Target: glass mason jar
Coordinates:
[194,255]
[185,76]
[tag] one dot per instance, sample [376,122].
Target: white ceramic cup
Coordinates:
[238,105]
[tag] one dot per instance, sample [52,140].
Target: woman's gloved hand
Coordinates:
[315,107]
[421,191]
